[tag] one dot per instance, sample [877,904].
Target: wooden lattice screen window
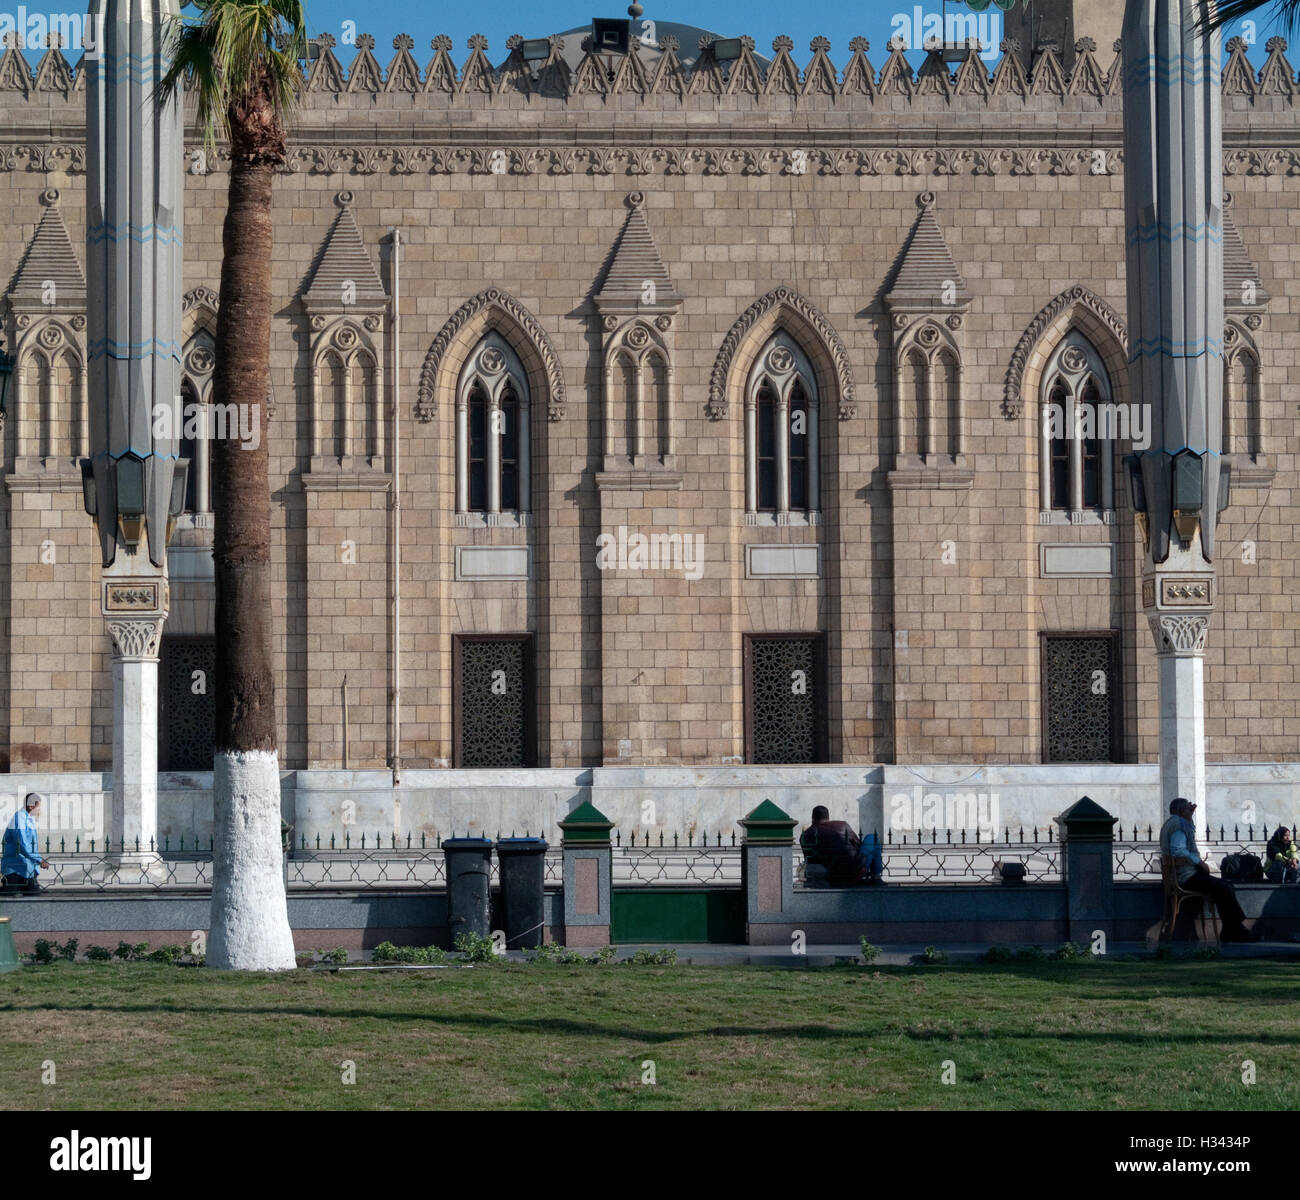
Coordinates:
[785,699]
[187,703]
[492,702]
[1081,698]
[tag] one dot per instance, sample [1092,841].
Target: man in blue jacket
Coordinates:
[22,863]
[1178,841]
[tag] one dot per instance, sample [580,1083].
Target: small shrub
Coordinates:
[869,952]
[43,951]
[68,950]
[653,958]
[932,954]
[1031,954]
[1069,952]
[337,955]
[602,956]
[553,952]
[477,948]
[999,954]
[129,953]
[166,954]
[406,955]
[99,953]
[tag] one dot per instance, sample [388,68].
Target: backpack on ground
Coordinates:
[1242,868]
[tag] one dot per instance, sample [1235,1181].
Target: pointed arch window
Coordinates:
[1079,425]
[781,435]
[493,412]
[52,411]
[1242,398]
[196,423]
[928,379]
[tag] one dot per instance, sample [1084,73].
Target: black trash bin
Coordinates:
[523,891]
[469,861]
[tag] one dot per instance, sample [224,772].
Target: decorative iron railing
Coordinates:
[370,861]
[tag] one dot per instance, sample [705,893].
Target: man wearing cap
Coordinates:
[21,862]
[1178,841]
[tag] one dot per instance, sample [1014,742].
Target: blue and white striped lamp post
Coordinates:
[1173,193]
[133,486]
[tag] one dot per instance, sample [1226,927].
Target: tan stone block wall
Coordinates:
[653,659]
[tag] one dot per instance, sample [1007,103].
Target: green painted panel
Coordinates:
[655,914]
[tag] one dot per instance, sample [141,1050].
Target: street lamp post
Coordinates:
[1173,195]
[133,237]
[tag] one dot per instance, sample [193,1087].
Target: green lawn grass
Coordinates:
[1111,1035]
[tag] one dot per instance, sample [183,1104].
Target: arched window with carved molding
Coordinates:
[781,435]
[493,438]
[1078,429]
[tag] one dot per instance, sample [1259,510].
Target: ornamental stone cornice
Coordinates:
[561,149]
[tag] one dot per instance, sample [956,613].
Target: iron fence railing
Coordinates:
[681,866]
[366,861]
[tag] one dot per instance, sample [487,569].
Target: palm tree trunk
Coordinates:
[249,927]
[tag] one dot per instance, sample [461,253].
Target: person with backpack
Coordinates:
[1281,858]
[836,846]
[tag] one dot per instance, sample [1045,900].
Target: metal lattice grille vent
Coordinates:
[189,704]
[1080,687]
[783,700]
[493,704]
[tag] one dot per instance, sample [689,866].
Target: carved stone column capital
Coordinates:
[136,640]
[1180,634]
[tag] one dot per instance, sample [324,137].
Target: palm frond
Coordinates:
[1283,13]
[231,49]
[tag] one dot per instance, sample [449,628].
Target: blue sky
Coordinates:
[838,20]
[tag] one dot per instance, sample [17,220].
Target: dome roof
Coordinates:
[649,34]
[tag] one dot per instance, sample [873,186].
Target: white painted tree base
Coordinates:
[249,926]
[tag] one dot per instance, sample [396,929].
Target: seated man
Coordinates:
[1281,859]
[1178,841]
[833,845]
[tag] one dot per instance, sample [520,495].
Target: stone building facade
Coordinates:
[713,401]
